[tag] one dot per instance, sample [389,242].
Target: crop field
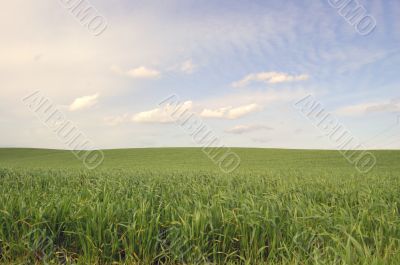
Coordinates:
[174,206]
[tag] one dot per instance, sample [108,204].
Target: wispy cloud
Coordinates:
[84,102]
[226,45]
[368,107]
[354,110]
[141,72]
[163,114]
[240,129]
[160,115]
[269,77]
[187,67]
[230,112]
[116,120]
[144,72]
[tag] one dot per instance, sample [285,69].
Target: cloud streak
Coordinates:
[229,112]
[188,67]
[269,78]
[241,129]
[369,107]
[141,72]
[84,102]
[160,115]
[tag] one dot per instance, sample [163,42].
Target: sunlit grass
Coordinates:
[194,216]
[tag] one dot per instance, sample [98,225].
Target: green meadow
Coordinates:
[174,206]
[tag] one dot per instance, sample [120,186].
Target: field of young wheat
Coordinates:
[170,206]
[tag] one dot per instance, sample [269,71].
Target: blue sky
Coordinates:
[252,58]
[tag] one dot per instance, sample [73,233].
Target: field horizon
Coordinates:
[250,158]
[175,206]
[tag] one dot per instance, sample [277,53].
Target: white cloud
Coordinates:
[116,120]
[215,113]
[187,67]
[392,106]
[353,110]
[269,77]
[164,114]
[240,129]
[160,115]
[116,69]
[243,110]
[141,72]
[157,115]
[84,102]
[229,112]
[364,108]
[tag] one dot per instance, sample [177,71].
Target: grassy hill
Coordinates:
[174,206]
[252,159]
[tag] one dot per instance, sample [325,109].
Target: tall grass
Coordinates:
[184,217]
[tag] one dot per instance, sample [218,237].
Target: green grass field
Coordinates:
[174,206]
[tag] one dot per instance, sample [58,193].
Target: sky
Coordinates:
[240,66]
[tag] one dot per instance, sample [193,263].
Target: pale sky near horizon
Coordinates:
[240,64]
